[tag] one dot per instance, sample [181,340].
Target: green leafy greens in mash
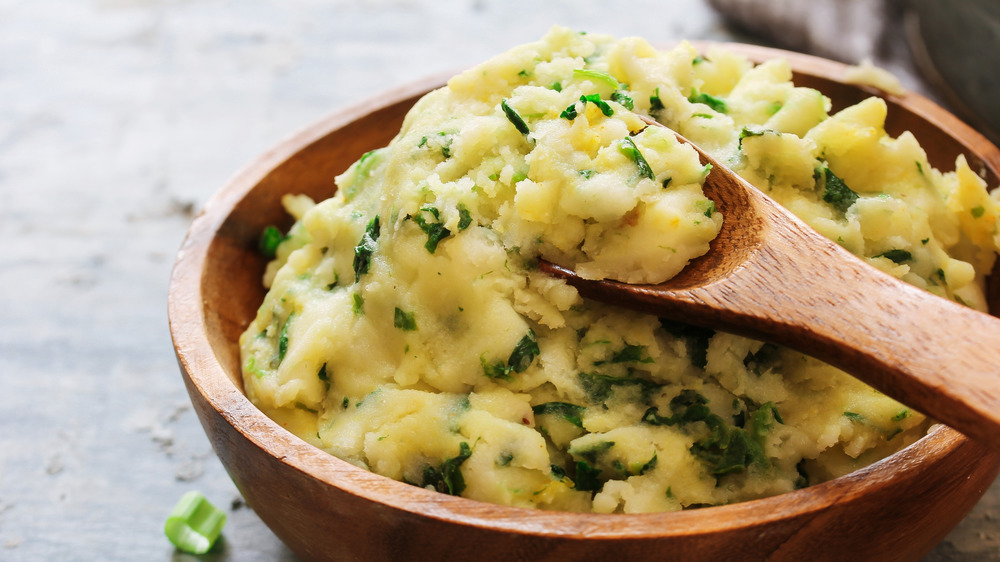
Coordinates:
[407,330]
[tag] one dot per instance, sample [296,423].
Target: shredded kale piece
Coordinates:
[627,147]
[514,117]
[269,240]
[448,478]
[435,230]
[588,478]
[836,192]
[569,412]
[323,376]
[505,458]
[404,320]
[763,359]
[628,354]
[599,387]
[520,359]
[363,251]
[524,353]
[727,448]
[695,337]
[896,255]
[717,104]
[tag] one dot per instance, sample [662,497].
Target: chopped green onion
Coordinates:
[717,104]
[514,117]
[598,76]
[571,113]
[977,211]
[627,147]
[655,103]
[194,524]
[624,99]
[270,237]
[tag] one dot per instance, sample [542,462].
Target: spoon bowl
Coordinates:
[769,276]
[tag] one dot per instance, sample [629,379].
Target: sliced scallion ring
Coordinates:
[194,524]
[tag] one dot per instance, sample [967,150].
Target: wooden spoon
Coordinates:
[770,277]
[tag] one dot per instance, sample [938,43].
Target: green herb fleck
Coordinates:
[505,458]
[283,338]
[854,417]
[363,251]
[977,211]
[359,304]
[434,229]
[464,217]
[706,206]
[404,320]
[836,192]
[587,174]
[896,255]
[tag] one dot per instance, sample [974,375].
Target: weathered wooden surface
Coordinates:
[118,119]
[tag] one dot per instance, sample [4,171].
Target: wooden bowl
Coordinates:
[325,508]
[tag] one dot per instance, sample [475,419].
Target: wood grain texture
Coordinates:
[327,509]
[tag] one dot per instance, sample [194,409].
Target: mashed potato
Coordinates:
[407,330]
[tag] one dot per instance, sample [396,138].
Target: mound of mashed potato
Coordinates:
[407,330]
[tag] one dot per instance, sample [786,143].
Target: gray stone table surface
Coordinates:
[118,120]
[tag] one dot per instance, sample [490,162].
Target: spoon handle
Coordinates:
[806,292]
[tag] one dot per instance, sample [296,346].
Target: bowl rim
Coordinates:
[204,374]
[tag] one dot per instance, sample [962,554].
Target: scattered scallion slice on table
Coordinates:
[194,524]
